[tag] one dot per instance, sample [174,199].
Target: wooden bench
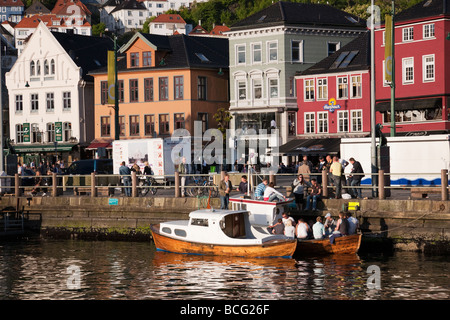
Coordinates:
[422,192]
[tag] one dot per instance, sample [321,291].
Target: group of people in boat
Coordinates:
[329,228]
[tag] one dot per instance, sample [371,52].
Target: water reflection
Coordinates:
[37,269]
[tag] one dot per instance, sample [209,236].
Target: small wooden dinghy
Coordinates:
[220,232]
[342,245]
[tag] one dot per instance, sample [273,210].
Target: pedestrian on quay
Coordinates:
[125,172]
[243,185]
[183,169]
[225,188]
[336,175]
[299,185]
[314,195]
[357,175]
[304,170]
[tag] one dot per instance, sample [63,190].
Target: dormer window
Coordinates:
[134,59]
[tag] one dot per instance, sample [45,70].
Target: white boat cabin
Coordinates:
[262,213]
[219,227]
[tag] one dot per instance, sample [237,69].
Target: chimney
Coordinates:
[199,22]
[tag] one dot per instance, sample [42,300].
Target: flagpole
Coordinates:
[393,72]
[372,99]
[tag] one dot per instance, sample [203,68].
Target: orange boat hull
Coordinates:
[274,248]
[342,245]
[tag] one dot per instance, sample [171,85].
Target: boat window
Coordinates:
[166,230]
[233,225]
[199,222]
[180,232]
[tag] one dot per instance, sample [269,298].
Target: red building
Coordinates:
[422,70]
[333,98]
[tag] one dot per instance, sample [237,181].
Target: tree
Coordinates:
[98,29]
[223,118]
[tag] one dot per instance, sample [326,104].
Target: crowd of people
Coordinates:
[37,176]
[330,228]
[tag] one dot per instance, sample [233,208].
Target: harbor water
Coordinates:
[36,269]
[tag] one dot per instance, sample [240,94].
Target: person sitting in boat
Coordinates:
[278,228]
[271,194]
[341,227]
[353,224]
[289,230]
[260,188]
[329,224]
[318,229]
[285,218]
[302,229]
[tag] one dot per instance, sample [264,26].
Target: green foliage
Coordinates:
[223,118]
[98,29]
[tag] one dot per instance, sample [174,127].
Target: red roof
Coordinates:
[198,30]
[66,8]
[219,30]
[48,19]
[169,18]
[12,3]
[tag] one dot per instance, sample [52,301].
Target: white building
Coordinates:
[169,24]
[51,96]
[125,16]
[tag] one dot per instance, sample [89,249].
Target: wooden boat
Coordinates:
[220,232]
[343,245]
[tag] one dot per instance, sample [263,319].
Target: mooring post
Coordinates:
[54,185]
[381,194]
[16,185]
[272,178]
[177,184]
[134,184]
[93,189]
[444,184]
[325,183]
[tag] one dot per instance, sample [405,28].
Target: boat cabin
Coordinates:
[225,227]
[262,213]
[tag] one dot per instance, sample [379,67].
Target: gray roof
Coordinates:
[291,13]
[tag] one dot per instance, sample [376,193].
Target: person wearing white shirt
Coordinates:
[318,229]
[289,230]
[271,194]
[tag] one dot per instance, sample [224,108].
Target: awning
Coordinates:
[43,148]
[415,104]
[96,145]
[311,147]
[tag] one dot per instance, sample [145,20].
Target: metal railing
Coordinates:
[96,185]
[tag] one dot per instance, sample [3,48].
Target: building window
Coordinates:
[122,125]
[292,118]
[148,89]
[310,123]
[19,102]
[408,34]
[428,68]
[178,87]
[36,135]
[257,88]
[32,68]
[134,59]
[46,68]
[104,92]
[257,52]
[147,58]
[179,121]
[356,120]
[164,126]
[38,68]
[201,88]
[50,101]
[273,88]
[356,86]
[34,102]
[240,54]
[408,70]
[272,51]
[149,124]
[309,89]
[52,66]
[66,100]
[297,50]
[163,88]
[19,133]
[50,132]
[67,127]
[332,47]
[203,117]
[105,126]
[292,87]
[322,89]
[342,92]
[121,91]
[242,90]
[134,90]
[342,121]
[428,31]
[134,125]
[322,122]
